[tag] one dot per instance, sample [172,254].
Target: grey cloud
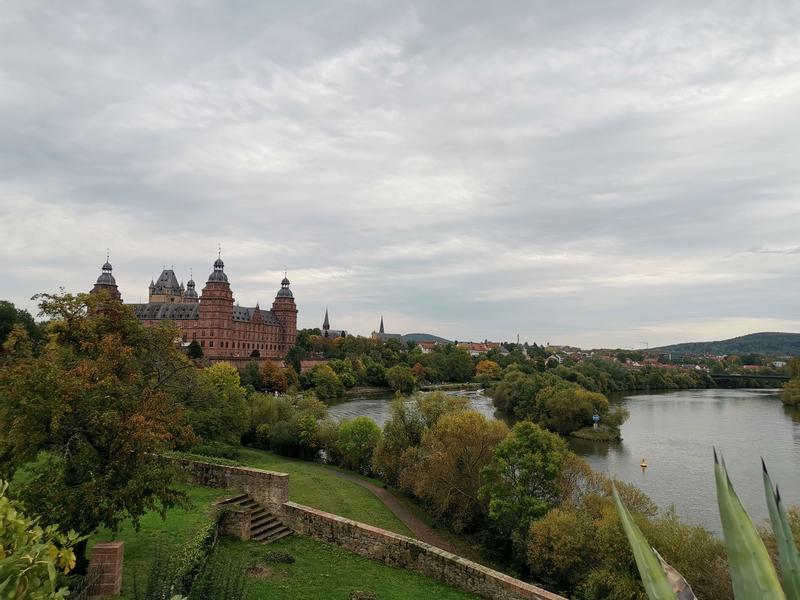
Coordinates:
[581,173]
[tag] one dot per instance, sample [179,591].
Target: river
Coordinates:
[675,431]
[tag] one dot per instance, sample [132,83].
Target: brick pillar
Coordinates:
[105,569]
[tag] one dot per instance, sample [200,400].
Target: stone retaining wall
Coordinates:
[407,553]
[268,488]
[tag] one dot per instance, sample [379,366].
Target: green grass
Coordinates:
[171,532]
[314,485]
[324,571]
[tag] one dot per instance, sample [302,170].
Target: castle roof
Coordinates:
[167,283]
[155,311]
[106,278]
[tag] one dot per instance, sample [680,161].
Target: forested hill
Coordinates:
[767,342]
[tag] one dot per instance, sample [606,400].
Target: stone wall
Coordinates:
[407,553]
[268,488]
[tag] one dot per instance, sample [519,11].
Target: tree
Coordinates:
[356,444]
[10,315]
[219,411]
[402,431]
[565,408]
[401,379]
[194,351]
[31,555]
[452,455]
[487,371]
[432,407]
[521,482]
[84,417]
[273,377]
[251,376]
[326,382]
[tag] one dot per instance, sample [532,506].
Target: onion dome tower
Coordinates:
[286,311]
[106,282]
[191,292]
[216,308]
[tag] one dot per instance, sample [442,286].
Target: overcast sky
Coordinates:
[593,173]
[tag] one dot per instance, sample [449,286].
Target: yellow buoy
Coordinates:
[643,464]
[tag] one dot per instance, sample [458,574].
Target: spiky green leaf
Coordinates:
[752,573]
[653,576]
[787,549]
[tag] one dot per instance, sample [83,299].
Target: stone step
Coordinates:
[266,528]
[277,536]
[256,522]
[236,499]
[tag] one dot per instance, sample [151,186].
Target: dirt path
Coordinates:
[420,530]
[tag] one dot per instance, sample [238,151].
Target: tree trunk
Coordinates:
[81,561]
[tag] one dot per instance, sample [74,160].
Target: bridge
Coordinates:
[739,376]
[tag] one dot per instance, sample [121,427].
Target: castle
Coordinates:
[224,330]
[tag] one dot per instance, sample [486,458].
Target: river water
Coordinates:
[675,431]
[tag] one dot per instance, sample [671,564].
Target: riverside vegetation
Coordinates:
[79,456]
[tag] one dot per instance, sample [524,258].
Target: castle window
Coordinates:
[211,344]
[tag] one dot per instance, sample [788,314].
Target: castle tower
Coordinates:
[106,282]
[166,288]
[216,312]
[191,292]
[286,311]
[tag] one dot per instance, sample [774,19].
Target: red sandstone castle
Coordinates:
[224,330]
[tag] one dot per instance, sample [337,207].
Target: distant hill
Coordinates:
[424,337]
[767,342]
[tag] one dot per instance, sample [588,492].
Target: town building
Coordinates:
[224,330]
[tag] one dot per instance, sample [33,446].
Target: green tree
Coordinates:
[30,555]
[401,379]
[10,315]
[402,431]
[326,382]
[251,376]
[219,410]
[356,444]
[83,418]
[194,351]
[565,408]
[521,481]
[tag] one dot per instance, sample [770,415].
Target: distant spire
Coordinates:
[219,250]
[381,329]
[107,255]
[326,324]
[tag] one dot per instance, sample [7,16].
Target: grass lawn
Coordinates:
[324,571]
[315,486]
[175,529]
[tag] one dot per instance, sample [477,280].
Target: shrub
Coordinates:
[356,444]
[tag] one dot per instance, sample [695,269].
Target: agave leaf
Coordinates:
[787,550]
[679,584]
[653,576]
[752,573]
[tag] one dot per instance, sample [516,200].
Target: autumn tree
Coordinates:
[84,417]
[274,377]
[452,455]
[487,371]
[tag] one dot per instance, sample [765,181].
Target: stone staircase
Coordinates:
[264,526]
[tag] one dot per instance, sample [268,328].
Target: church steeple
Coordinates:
[326,324]
[381,327]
